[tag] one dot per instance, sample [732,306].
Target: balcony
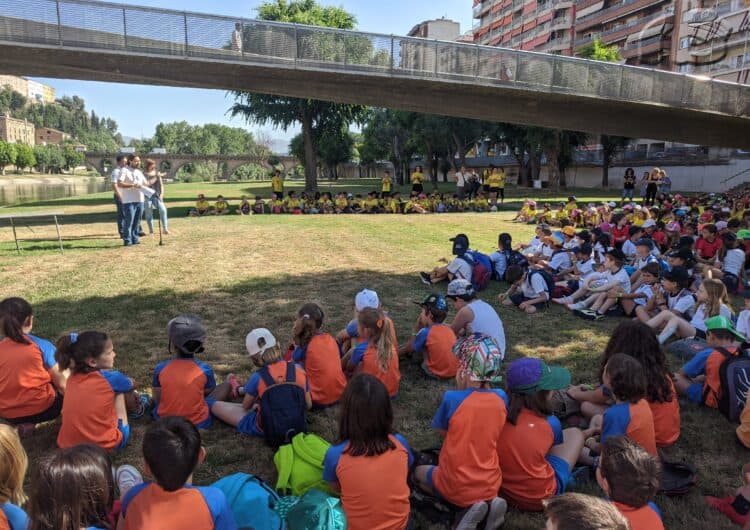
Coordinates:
[561,23]
[646,47]
[622,32]
[481,9]
[559,44]
[580,43]
[616,11]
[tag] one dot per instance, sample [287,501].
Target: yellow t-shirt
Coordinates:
[371,203]
[201,205]
[221,206]
[291,202]
[341,203]
[417,177]
[386,186]
[496,180]
[571,206]
[277,185]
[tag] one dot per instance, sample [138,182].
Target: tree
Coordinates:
[559,146]
[385,136]
[73,158]
[24,157]
[7,156]
[599,51]
[316,117]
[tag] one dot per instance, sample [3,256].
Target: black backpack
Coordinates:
[547,277]
[282,408]
[734,378]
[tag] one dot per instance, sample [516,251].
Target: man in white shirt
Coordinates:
[462,178]
[122,165]
[130,183]
[237,38]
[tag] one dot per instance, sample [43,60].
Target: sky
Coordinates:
[138,109]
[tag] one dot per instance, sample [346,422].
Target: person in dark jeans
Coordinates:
[122,165]
[654,179]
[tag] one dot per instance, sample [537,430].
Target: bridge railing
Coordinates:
[91,25]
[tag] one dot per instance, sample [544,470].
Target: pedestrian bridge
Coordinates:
[89,40]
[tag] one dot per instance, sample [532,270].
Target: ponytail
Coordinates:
[74,350]
[309,320]
[380,332]
[14,314]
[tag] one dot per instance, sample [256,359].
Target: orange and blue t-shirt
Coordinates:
[184,383]
[88,413]
[646,517]
[251,423]
[530,473]
[25,383]
[633,420]
[12,517]
[322,361]
[469,469]
[366,354]
[666,419]
[374,490]
[438,340]
[707,362]
[149,507]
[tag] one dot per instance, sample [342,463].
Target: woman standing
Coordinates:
[628,184]
[666,184]
[653,182]
[416,180]
[156,201]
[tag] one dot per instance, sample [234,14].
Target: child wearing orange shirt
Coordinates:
[378,354]
[184,386]
[471,418]
[434,340]
[629,476]
[370,465]
[97,397]
[319,354]
[537,455]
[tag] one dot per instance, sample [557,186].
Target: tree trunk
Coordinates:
[311,158]
[461,150]
[605,171]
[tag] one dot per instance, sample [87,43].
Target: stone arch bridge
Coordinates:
[171,163]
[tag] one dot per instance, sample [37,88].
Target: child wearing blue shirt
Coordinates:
[13,465]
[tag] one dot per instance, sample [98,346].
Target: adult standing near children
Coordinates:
[474,315]
[386,184]
[122,166]
[277,184]
[628,184]
[666,183]
[462,180]
[652,186]
[496,183]
[156,201]
[417,178]
[130,184]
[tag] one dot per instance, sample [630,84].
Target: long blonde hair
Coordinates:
[717,296]
[13,465]
[379,331]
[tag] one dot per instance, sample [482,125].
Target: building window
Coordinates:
[685,42]
[686,68]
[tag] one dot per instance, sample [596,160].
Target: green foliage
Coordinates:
[306,12]
[210,139]
[72,157]
[249,172]
[197,172]
[10,100]
[49,158]
[24,157]
[7,155]
[599,51]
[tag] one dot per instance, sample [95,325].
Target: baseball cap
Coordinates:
[677,274]
[480,357]
[366,298]
[645,242]
[258,341]
[530,375]
[184,330]
[722,322]
[556,238]
[569,231]
[682,253]
[434,300]
[460,244]
[459,287]
[648,223]
[721,225]
[743,234]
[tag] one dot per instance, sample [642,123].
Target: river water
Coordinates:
[15,191]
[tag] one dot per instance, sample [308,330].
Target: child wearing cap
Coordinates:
[471,418]
[615,277]
[630,416]
[460,267]
[528,291]
[377,354]
[536,454]
[184,386]
[319,354]
[699,378]
[433,340]
[267,357]
[349,336]
[630,478]
[672,294]
[559,260]
[643,256]
[474,315]
[576,511]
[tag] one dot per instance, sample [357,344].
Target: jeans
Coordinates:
[120,217]
[149,205]
[627,193]
[460,192]
[132,211]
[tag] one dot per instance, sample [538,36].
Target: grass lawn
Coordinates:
[244,272]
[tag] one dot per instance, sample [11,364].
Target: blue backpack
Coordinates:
[282,408]
[481,268]
[252,502]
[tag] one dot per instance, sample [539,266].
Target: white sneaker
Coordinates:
[496,516]
[577,305]
[563,300]
[126,478]
[473,516]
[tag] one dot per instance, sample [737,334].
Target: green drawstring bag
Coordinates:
[300,465]
[316,510]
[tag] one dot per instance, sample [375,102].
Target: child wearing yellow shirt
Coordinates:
[221,206]
[202,207]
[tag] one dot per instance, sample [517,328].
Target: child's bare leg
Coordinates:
[642,314]
[229,413]
[660,320]
[599,301]
[628,305]
[221,392]
[570,449]
[608,302]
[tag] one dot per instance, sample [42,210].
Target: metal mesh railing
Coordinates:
[88,24]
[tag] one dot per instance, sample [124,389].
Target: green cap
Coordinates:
[743,234]
[530,375]
[722,322]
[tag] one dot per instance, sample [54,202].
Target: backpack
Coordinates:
[300,464]
[252,501]
[316,510]
[481,268]
[513,257]
[734,377]
[547,277]
[282,407]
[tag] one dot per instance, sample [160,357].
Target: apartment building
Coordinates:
[713,39]
[15,131]
[534,25]
[34,91]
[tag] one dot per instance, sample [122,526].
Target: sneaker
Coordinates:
[496,515]
[586,314]
[126,476]
[725,506]
[564,300]
[598,316]
[144,406]
[577,306]
[236,386]
[425,278]
[473,516]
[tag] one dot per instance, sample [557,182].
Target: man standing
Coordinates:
[237,38]
[130,183]
[122,166]
[462,179]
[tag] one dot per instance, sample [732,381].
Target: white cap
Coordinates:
[258,341]
[648,223]
[366,298]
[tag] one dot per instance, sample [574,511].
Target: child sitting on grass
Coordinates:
[370,464]
[630,478]
[528,291]
[736,506]
[377,354]
[221,206]
[184,386]
[743,320]
[97,397]
[13,466]
[614,277]
[575,511]
[537,456]
[202,207]
[434,340]
[172,451]
[639,296]
[471,418]
[349,336]
[244,208]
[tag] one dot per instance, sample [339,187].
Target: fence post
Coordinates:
[476,62]
[296,44]
[436,58]
[124,27]
[393,59]
[59,23]
[184,21]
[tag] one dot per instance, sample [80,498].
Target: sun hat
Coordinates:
[480,357]
[459,287]
[530,375]
[434,300]
[722,322]
[569,231]
[258,341]
[556,238]
[185,329]
[366,298]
